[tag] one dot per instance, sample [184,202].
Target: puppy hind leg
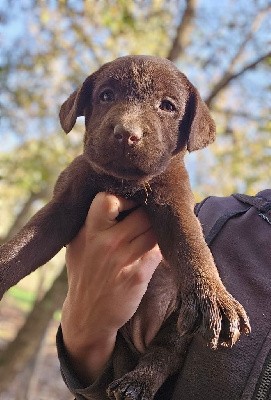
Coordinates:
[162,359]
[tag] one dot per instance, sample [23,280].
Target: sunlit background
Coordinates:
[47,49]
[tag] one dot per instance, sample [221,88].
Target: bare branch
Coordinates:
[228,77]
[183,31]
[252,29]
[229,74]
[238,113]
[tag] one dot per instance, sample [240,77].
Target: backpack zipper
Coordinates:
[263,387]
[265,217]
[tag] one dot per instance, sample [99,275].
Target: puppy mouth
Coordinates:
[135,168]
[134,164]
[119,170]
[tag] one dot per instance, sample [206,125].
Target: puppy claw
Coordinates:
[127,389]
[218,317]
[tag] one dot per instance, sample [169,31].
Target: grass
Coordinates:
[23,298]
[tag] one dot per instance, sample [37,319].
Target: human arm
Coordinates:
[109,266]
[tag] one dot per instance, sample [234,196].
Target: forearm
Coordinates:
[88,349]
[82,388]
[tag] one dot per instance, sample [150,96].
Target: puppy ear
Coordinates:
[202,130]
[74,106]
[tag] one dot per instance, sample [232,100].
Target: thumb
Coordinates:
[104,210]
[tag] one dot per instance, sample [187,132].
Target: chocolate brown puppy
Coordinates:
[141,116]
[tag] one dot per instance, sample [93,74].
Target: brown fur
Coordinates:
[134,146]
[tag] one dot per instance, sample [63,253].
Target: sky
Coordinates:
[19,22]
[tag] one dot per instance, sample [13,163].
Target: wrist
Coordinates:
[88,345]
[90,360]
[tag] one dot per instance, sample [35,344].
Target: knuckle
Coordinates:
[134,278]
[139,277]
[100,197]
[110,244]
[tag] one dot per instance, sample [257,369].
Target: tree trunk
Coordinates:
[24,347]
[183,31]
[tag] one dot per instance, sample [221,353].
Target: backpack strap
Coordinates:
[213,212]
[262,204]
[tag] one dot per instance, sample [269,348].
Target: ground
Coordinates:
[42,381]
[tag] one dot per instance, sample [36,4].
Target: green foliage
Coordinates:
[60,42]
[35,165]
[31,169]
[23,298]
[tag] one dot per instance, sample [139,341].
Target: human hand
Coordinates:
[109,267]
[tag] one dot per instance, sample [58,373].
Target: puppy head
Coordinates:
[139,112]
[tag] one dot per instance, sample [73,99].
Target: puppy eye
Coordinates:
[107,95]
[166,105]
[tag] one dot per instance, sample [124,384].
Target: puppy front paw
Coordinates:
[211,311]
[130,387]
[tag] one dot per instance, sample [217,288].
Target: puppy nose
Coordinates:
[131,136]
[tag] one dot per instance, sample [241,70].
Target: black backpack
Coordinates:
[234,220]
[238,230]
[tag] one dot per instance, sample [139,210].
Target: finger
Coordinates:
[134,225]
[144,267]
[137,248]
[148,263]
[151,259]
[104,210]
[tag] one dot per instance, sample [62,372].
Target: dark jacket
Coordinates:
[242,251]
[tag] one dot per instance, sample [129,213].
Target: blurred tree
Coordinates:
[21,351]
[28,176]
[50,47]
[223,50]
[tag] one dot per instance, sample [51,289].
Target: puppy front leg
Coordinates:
[38,241]
[49,229]
[205,304]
